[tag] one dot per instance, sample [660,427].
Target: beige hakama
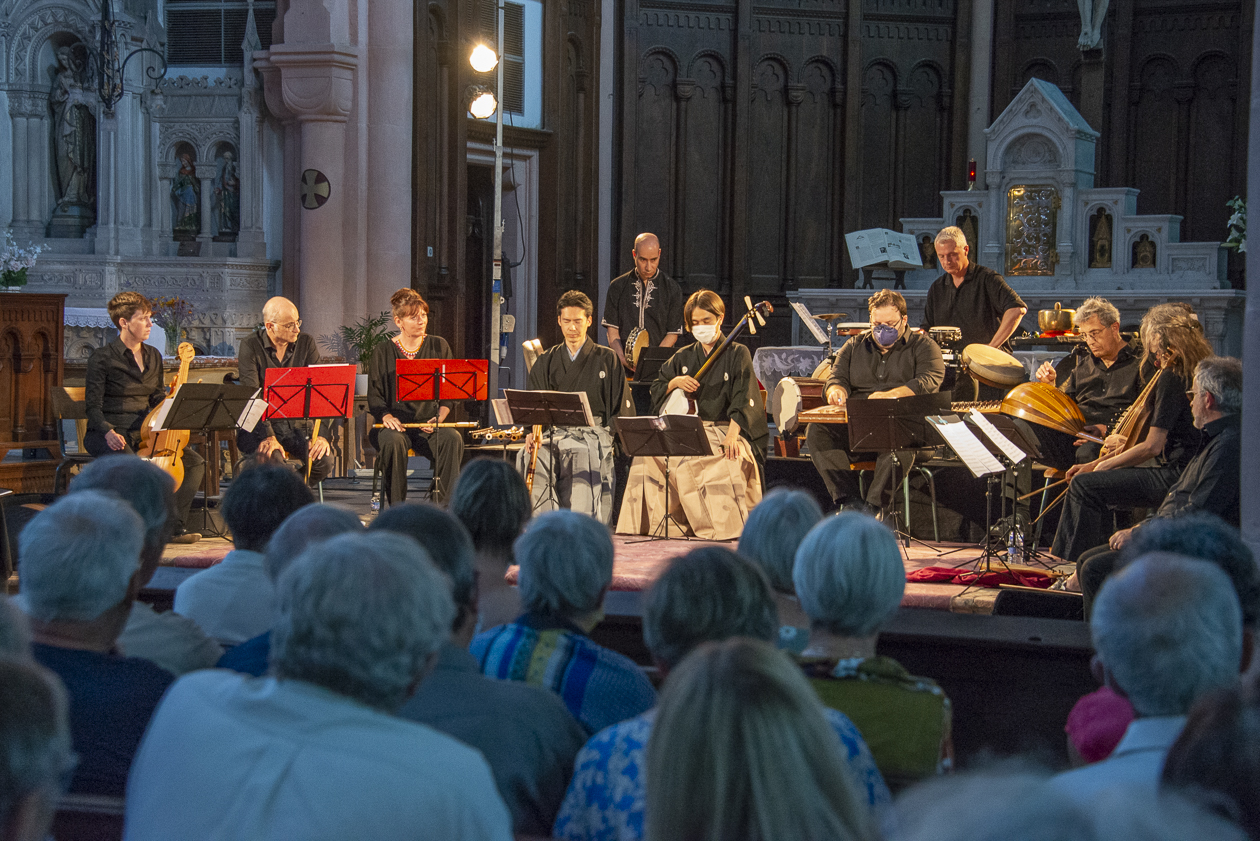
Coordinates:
[709,496]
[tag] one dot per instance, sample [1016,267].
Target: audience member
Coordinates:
[315,752]
[1216,759]
[80,574]
[174,642]
[524,732]
[740,749]
[1012,802]
[1098,721]
[15,633]
[234,600]
[35,754]
[774,530]
[708,595]
[1166,630]
[491,501]
[566,563]
[850,578]
[304,528]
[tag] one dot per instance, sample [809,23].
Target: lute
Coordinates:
[679,402]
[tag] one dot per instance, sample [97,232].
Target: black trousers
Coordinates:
[194,469]
[296,448]
[1092,569]
[1085,524]
[444,447]
[829,451]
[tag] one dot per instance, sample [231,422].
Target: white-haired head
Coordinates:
[849,576]
[774,531]
[566,563]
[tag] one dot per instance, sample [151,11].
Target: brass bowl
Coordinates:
[1057,320]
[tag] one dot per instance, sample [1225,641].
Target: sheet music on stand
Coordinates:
[1006,445]
[809,321]
[968,447]
[254,411]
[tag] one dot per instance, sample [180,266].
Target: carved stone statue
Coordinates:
[227,196]
[186,199]
[1092,14]
[74,134]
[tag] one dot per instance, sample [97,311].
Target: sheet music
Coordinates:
[254,410]
[969,448]
[586,408]
[809,321]
[159,420]
[1006,445]
[502,414]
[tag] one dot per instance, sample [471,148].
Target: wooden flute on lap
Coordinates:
[460,425]
[840,414]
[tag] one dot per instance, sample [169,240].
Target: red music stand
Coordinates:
[317,391]
[443,379]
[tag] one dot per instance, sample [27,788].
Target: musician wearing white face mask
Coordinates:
[886,362]
[710,496]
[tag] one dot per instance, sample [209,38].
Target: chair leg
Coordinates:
[321,491]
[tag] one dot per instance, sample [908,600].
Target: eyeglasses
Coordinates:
[292,325]
[1092,335]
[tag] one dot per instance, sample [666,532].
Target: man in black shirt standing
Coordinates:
[1104,381]
[887,361]
[281,344]
[973,298]
[124,382]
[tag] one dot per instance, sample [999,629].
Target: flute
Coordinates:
[460,425]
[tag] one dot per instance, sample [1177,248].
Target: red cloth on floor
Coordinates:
[993,578]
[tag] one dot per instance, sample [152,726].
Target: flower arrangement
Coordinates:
[15,261]
[1237,225]
[172,315]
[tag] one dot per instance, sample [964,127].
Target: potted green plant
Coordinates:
[363,338]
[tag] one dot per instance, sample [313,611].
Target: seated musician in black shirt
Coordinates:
[976,300]
[1175,342]
[1106,376]
[887,361]
[124,382]
[281,344]
[1211,481]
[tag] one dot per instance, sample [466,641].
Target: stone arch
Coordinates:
[437,21]
[31,35]
[835,71]
[1139,241]
[709,56]
[772,60]
[1030,150]
[1040,67]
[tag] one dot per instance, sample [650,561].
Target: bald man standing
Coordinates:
[282,344]
[643,299]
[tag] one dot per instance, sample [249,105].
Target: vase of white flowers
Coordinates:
[1237,224]
[14,262]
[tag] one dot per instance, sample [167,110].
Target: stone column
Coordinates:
[205,174]
[162,221]
[315,86]
[981,83]
[250,241]
[1250,503]
[31,149]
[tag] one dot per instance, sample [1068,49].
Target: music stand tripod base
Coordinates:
[663,437]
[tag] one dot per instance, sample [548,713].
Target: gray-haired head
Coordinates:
[443,536]
[359,615]
[78,556]
[15,636]
[143,485]
[1099,308]
[707,595]
[774,531]
[304,528]
[1222,377]
[849,576]
[951,233]
[1168,628]
[566,563]
[35,751]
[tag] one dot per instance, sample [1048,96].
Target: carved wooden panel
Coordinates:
[31,336]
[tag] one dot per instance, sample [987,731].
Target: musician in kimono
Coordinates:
[579,474]
[709,496]
[887,361]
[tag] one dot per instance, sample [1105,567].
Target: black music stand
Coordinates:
[668,435]
[549,409]
[887,426]
[208,407]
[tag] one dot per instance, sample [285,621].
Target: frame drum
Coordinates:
[991,366]
[792,396]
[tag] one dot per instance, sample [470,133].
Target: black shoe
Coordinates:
[861,506]
[186,537]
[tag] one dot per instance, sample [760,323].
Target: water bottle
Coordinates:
[1019,544]
[376,504]
[1011,547]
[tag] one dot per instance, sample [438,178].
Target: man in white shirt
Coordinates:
[315,752]
[234,600]
[174,642]
[1166,630]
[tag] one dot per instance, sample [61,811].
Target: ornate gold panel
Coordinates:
[1032,215]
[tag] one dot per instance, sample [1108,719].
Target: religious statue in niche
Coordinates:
[1100,240]
[227,195]
[927,251]
[967,223]
[186,197]
[1144,253]
[74,133]
[1092,14]
[1031,221]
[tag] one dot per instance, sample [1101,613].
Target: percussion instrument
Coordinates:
[947,338]
[636,341]
[823,371]
[991,366]
[1057,320]
[850,328]
[831,316]
[792,396]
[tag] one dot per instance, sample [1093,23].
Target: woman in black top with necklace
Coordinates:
[444,447]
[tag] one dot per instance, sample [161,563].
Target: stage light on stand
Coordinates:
[483,59]
[482,103]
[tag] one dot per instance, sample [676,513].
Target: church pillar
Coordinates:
[981,83]
[250,241]
[19,178]
[388,234]
[162,222]
[312,90]
[205,174]
[1250,502]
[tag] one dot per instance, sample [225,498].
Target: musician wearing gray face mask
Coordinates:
[886,362]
